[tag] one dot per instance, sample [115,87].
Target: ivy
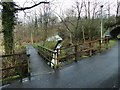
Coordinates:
[8,18]
[8,22]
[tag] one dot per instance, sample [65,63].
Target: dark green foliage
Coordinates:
[118,20]
[50,44]
[110,22]
[8,19]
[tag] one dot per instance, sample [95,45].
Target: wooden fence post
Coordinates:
[20,68]
[106,41]
[49,63]
[58,52]
[56,60]
[100,45]
[21,73]
[75,53]
[90,46]
[28,61]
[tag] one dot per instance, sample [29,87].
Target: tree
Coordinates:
[8,18]
[110,22]
[81,27]
[118,14]
[72,21]
[8,22]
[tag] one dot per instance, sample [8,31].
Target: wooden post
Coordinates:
[93,42]
[58,57]
[56,60]
[50,61]
[75,53]
[21,73]
[100,45]
[20,68]
[106,41]
[28,61]
[90,46]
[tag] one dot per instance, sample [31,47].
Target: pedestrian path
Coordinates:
[37,64]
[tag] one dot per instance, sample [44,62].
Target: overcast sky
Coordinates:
[65,4]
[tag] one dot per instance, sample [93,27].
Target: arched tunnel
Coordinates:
[115,32]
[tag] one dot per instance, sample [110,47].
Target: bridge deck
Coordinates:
[37,64]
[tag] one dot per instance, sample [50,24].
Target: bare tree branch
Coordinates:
[94,9]
[71,23]
[33,1]
[31,6]
[118,5]
[85,9]
[79,9]
[68,29]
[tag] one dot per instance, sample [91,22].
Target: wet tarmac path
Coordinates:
[37,64]
[99,71]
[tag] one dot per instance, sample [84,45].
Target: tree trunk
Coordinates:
[83,34]
[8,26]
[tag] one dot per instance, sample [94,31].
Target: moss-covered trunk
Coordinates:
[8,26]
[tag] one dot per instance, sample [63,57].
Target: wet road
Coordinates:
[100,71]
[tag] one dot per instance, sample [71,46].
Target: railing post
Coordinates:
[100,45]
[20,68]
[106,41]
[56,60]
[90,46]
[28,61]
[75,53]
[21,73]
[58,57]
[49,59]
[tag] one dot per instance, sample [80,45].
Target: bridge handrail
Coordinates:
[20,62]
[46,49]
[73,50]
[88,47]
[8,55]
[47,54]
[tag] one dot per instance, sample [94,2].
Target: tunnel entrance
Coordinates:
[115,33]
